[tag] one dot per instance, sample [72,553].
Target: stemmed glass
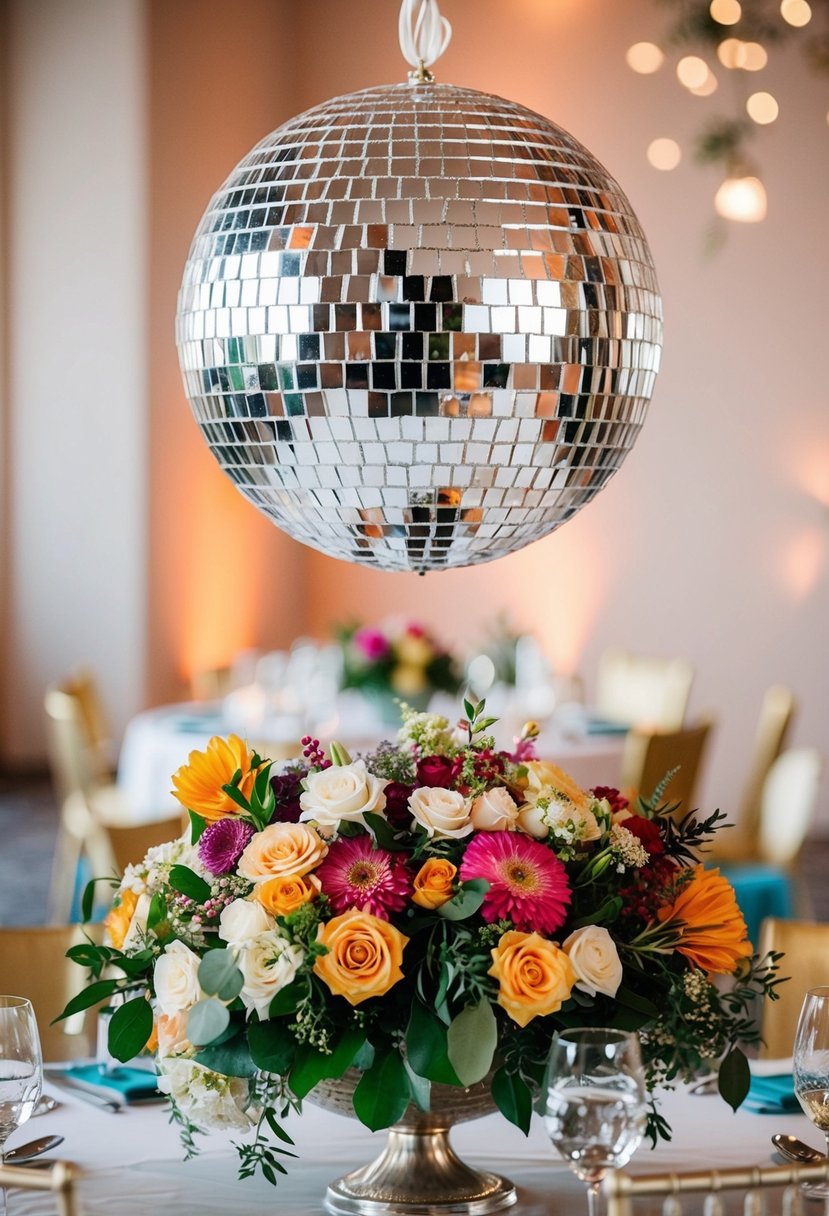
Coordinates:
[21,1069]
[594,1102]
[811,1067]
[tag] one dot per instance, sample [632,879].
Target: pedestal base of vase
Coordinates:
[419,1174]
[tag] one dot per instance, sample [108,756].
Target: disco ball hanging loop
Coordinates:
[419,325]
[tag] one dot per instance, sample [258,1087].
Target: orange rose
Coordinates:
[711,931]
[534,976]
[198,783]
[282,895]
[433,883]
[282,850]
[119,918]
[364,955]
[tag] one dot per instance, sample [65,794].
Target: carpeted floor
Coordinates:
[28,822]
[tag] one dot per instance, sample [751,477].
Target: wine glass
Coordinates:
[594,1102]
[811,1067]
[21,1069]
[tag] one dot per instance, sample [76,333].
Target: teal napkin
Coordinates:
[772,1095]
[128,1084]
[605,726]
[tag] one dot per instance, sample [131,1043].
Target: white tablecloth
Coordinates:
[158,741]
[133,1166]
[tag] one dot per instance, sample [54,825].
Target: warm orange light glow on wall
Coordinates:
[802,562]
[811,472]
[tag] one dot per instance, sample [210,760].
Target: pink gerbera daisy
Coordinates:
[355,874]
[527,883]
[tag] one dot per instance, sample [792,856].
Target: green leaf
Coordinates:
[471,1041]
[90,996]
[206,1021]
[469,710]
[235,796]
[312,1066]
[419,1087]
[157,911]
[197,826]
[231,1059]
[382,1095]
[466,902]
[88,900]
[606,913]
[626,996]
[129,1029]
[289,997]
[734,1078]
[185,880]
[385,836]
[513,1099]
[219,976]
[426,1046]
[272,1047]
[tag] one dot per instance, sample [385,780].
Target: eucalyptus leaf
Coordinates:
[382,1095]
[471,1041]
[130,1028]
[219,976]
[419,1087]
[466,902]
[206,1021]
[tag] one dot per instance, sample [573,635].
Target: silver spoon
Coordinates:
[26,1152]
[795,1150]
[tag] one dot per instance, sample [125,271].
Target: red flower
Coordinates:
[617,801]
[647,832]
[435,771]
[527,882]
[356,875]
[397,804]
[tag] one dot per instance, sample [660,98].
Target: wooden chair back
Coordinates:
[787,805]
[805,946]
[776,713]
[649,756]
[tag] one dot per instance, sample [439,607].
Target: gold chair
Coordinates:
[648,757]
[59,1178]
[33,964]
[805,945]
[741,843]
[648,693]
[787,807]
[621,1189]
[83,686]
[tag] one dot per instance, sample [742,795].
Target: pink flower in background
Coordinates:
[355,874]
[372,643]
[527,882]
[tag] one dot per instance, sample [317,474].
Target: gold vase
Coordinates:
[418,1173]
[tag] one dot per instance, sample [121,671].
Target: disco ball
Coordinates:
[419,327]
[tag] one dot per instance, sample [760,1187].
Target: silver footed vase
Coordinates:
[418,1173]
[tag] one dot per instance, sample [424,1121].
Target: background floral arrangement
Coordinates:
[430,913]
[401,659]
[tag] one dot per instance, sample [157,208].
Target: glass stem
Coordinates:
[3,1208]
[594,1190]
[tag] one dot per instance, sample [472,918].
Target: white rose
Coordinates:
[242,920]
[443,813]
[532,820]
[206,1098]
[268,964]
[572,824]
[342,793]
[494,811]
[595,960]
[176,979]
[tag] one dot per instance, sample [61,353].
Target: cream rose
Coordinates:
[592,952]
[564,819]
[176,979]
[443,813]
[242,920]
[268,964]
[286,850]
[342,793]
[494,811]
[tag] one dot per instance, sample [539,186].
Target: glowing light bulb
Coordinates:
[731,53]
[756,56]
[692,71]
[644,57]
[796,12]
[726,12]
[664,154]
[763,108]
[742,199]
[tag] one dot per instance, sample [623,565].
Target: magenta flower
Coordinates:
[355,874]
[528,883]
[222,843]
[372,643]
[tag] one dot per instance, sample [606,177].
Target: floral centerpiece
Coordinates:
[430,913]
[398,659]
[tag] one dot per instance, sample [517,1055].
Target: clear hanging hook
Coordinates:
[424,36]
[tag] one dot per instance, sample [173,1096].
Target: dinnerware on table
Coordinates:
[594,1102]
[795,1150]
[21,1069]
[811,1066]
[27,1152]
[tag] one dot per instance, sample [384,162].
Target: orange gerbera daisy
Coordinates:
[711,930]
[198,783]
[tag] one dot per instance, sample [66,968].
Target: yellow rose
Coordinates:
[414,650]
[407,680]
[119,918]
[433,883]
[364,955]
[284,894]
[534,976]
[198,784]
[282,850]
[542,776]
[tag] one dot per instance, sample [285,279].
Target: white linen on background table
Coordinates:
[133,1166]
